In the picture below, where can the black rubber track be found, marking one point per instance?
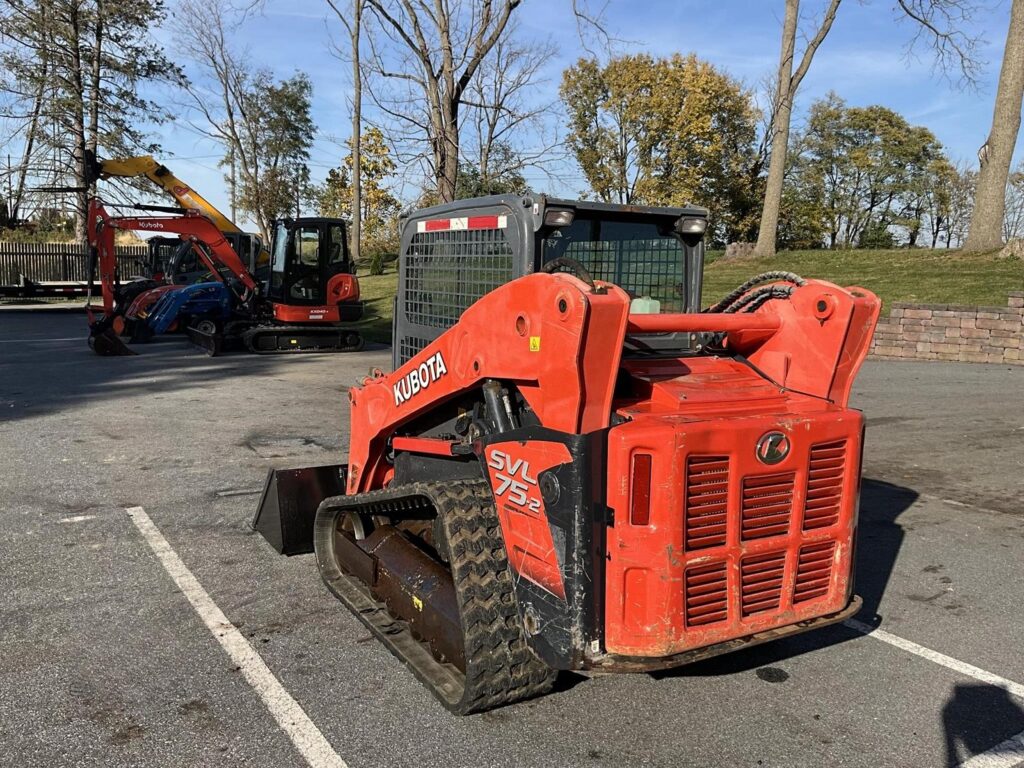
(500, 668)
(328, 339)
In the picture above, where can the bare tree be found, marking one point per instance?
(939, 25)
(787, 83)
(508, 129)
(263, 125)
(442, 46)
(354, 27)
(985, 233)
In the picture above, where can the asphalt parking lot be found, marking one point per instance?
(105, 661)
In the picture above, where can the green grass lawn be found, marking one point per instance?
(917, 276)
(378, 295)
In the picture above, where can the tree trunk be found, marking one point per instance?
(30, 138)
(95, 82)
(786, 88)
(77, 110)
(448, 174)
(357, 128)
(985, 233)
(768, 230)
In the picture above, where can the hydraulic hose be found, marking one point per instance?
(764, 277)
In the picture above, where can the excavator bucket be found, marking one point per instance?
(289, 503)
(105, 343)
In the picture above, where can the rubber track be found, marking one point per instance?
(500, 668)
(249, 338)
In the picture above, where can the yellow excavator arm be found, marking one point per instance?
(160, 175)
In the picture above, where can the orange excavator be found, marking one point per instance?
(310, 302)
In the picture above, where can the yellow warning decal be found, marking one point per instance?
(535, 343)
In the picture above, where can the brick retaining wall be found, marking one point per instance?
(950, 332)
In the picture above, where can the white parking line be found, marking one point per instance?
(36, 341)
(1007, 754)
(939, 658)
(306, 737)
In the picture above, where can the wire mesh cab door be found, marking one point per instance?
(451, 255)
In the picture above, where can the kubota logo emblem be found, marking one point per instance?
(418, 379)
(772, 448)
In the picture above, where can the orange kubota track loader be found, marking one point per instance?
(567, 479)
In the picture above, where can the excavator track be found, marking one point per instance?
(499, 666)
(278, 339)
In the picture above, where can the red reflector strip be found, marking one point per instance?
(640, 509)
(482, 222)
(462, 223)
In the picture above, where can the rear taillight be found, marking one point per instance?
(640, 509)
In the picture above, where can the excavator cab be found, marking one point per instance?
(160, 253)
(186, 268)
(307, 253)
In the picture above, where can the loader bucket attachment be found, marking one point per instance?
(289, 503)
(211, 343)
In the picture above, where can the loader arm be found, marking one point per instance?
(559, 342)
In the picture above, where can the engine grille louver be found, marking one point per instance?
(707, 496)
(814, 571)
(825, 473)
(761, 582)
(706, 595)
(759, 511)
(767, 505)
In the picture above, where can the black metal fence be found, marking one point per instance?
(59, 261)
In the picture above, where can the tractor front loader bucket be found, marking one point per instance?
(211, 343)
(289, 503)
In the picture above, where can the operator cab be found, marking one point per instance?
(186, 268)
(307, 253)
(650, 256)
(160, 253)
(453, 254)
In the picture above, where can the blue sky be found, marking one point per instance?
(864, 59)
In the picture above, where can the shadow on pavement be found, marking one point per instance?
(976, 717)
(43, 372)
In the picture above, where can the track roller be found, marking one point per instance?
(456, 625)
